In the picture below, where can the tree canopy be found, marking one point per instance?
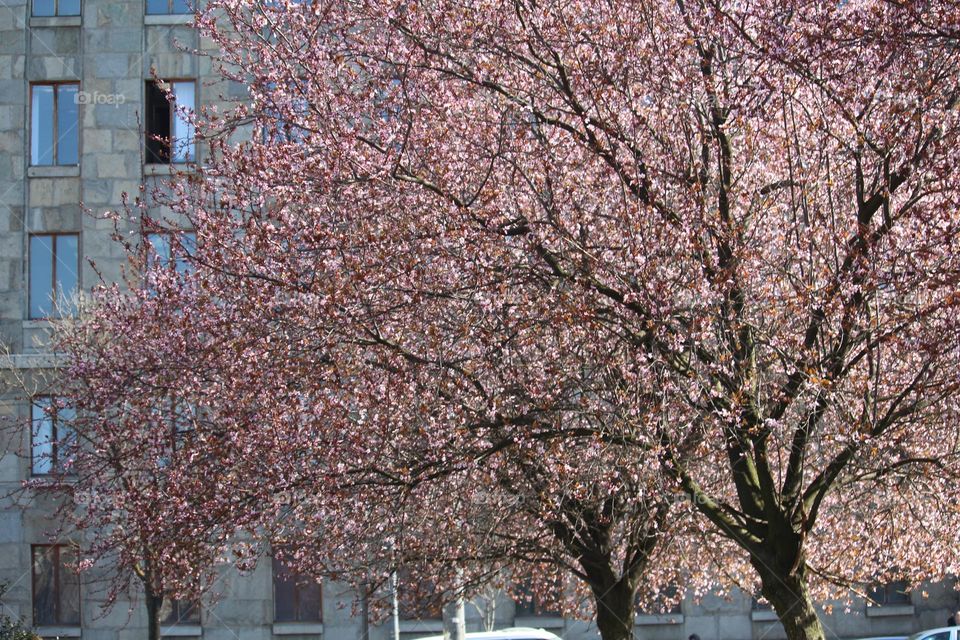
(640, 291)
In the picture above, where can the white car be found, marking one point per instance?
(942, 633)
(516, 633)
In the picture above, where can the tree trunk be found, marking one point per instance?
(615, 614)
(787, 592)
(154, 603)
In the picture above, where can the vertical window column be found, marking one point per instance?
(296, 598)
(54, 124)
(56, 585)
(52, 439)
(169, 133)
(54, 274)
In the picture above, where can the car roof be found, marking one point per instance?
(926, 632)
(513, 633)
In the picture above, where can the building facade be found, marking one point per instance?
(80, 122)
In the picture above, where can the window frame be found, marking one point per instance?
(412, 609)
(190, 11)
(902, 598)
(52, 412)
(277, 130)
(170, 237)
(528, 605)
(172, 118)
(176, 607)
(299, 585)
(56, 10)
(58, 566)
(55, 120)
(657, 607)
(55, 293)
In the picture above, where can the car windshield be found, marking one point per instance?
(926, 635)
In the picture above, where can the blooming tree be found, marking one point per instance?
(486, 284)
(114, 480)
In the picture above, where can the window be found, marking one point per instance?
(665, 602)
(528, 604)
(418, 600)
(168, 7)
(890, 594)
(52, 441)
(169, 132)
(54, 123)
(760, 604)
(54, 267)
(178, 611)
(279, 120)
(173, 246)
(296, 598)
(179, 419)
(56, 8)
(56, 585)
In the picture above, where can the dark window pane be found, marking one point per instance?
(892, 593)
(44, 7)
(418, 600)
(177, 611)
(158, 6)
(67, 124)
(296, 598)
(310, 601)
(69, 602)
(664, 603)
(189, 611)
(68, 259)
(41, 276)
(41, 126)
(69, 7)
(284, 593)
(157, 124)
(44, 586)
(181, 6)
(56, 586)
(528, 604)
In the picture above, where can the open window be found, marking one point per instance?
(169, 132)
